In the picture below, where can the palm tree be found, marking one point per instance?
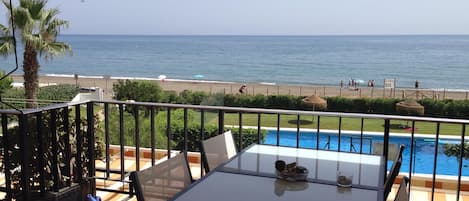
(38, 29)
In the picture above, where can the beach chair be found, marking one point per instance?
(217, 150)
(402, 192)
(163, 180)
(395, 169)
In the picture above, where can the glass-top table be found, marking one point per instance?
(250, 175)
(367, 170)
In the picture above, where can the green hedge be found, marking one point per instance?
(434, 108)
(362, 105)
(249, 136)
(446, 108)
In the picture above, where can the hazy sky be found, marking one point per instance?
(264, 17)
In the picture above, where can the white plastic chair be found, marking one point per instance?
(217, 150)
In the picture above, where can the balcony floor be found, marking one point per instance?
(417, 193)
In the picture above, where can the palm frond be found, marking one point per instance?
(7, 45)
(7, 4)
(37, 8)
(33, 40)
(50, 50)
(4, 30)
(23, 19)
(34, 7)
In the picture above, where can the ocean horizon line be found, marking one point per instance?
(261, 35)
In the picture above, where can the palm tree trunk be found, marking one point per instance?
(31, 83)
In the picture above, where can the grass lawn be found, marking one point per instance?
(290, 121)
(375, 125)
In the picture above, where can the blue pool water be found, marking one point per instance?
(424, 149)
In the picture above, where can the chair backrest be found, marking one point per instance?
(396, 166)
(217, 150)
(163, 180)
(378, 149)
(397, 156)
(402, 193)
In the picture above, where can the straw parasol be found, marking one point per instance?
(410, 107)
(316, 102)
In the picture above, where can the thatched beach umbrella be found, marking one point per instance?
(410, 107)
(316, 102)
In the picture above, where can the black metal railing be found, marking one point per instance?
(54, 147)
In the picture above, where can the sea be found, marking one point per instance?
(436, 61)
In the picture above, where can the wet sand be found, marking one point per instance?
(258, 88)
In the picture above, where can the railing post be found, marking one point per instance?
(152, 133)
(91, 142)
(298, 131)
(386, 144)
(258, 128)
(168, 131)
(121, 141)
(221, 121)
(6, 157)
(67, 148)
(107, 140)
(79, 141)
(202, 137)
(240, 139)
(317, 131)
(340, 134)
(25, 152)
(41, 160)
(185, 130)
(278, 129)
(461, 155)
(55, 149)
(137, 138)
(435, 159)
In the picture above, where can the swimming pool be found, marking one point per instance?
(424, 149)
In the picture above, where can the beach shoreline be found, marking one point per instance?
(227, 87)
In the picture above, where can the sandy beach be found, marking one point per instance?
(255, 88)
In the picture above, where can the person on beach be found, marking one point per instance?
(341, 84)
(372, 84)
(416, 84)
(242, 89)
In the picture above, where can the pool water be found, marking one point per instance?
(424, 149)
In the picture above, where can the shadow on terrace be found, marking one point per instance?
(66, 151)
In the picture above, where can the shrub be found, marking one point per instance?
(142, 91)
(453, 150)
(61, 92)
(169, 97)
(194, 136)
(129, 129)
(193, 98)
(6, 82)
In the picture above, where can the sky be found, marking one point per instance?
(263, 17)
